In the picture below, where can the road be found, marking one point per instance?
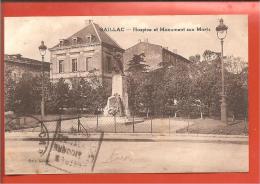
(156, 154)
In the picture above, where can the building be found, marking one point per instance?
(17, 66)
(89, 49)
(154, 55)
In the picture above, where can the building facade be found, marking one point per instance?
(88, 50)
(17, 66)
(154, 55)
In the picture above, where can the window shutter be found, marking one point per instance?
(54, 65)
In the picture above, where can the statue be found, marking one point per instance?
(114, 106)
(117, 104)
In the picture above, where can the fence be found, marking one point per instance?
(109, 124)
(97, 123)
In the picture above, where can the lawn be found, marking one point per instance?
(210, 126)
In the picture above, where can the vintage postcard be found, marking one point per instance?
(126, 94)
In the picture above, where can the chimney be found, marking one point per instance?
(87, 22)
(146, 40)
(18, 56)
(139, 40)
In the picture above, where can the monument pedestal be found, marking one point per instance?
(119, 97)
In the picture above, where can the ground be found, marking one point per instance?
(166, 145)
(139, 153)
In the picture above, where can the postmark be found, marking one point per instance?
(74, 153)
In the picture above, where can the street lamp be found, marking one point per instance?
(42, 49)
(222, 33)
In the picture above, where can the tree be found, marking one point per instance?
(136, 64)
(236, 91)
(59, 97)
(79, 94)
(153, 92)
(207, 83)
(235, 64)
(88, 94)
(178, 85)
(136, 76)
(101, 91)
(195, 59)
(9, 87)
(85, 96)
(208, 55)
(27, 95)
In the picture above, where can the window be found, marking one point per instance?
(109, 64)
(74, 65)
(87, 61)
(61, 43)
(88, 38)
(74, 41)
(61, 66)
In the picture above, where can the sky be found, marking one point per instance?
(23, 35)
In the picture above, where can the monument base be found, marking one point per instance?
(117, 104)
(114, 106)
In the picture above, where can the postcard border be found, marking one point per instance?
(151, 8)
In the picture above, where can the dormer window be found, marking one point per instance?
(62, 42)
(90, 38)
(74, 40)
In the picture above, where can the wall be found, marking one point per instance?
(98, 54)
(169, 57)
(81, 53)
(17, 70)
(153, 54)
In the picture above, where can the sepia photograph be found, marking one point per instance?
(126, 94)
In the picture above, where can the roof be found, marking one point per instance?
(177, 55)
(91, 29)
(17, 58)
(105, 38)
(163, 48)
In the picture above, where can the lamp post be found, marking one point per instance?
(221, 34)
(42, 49)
